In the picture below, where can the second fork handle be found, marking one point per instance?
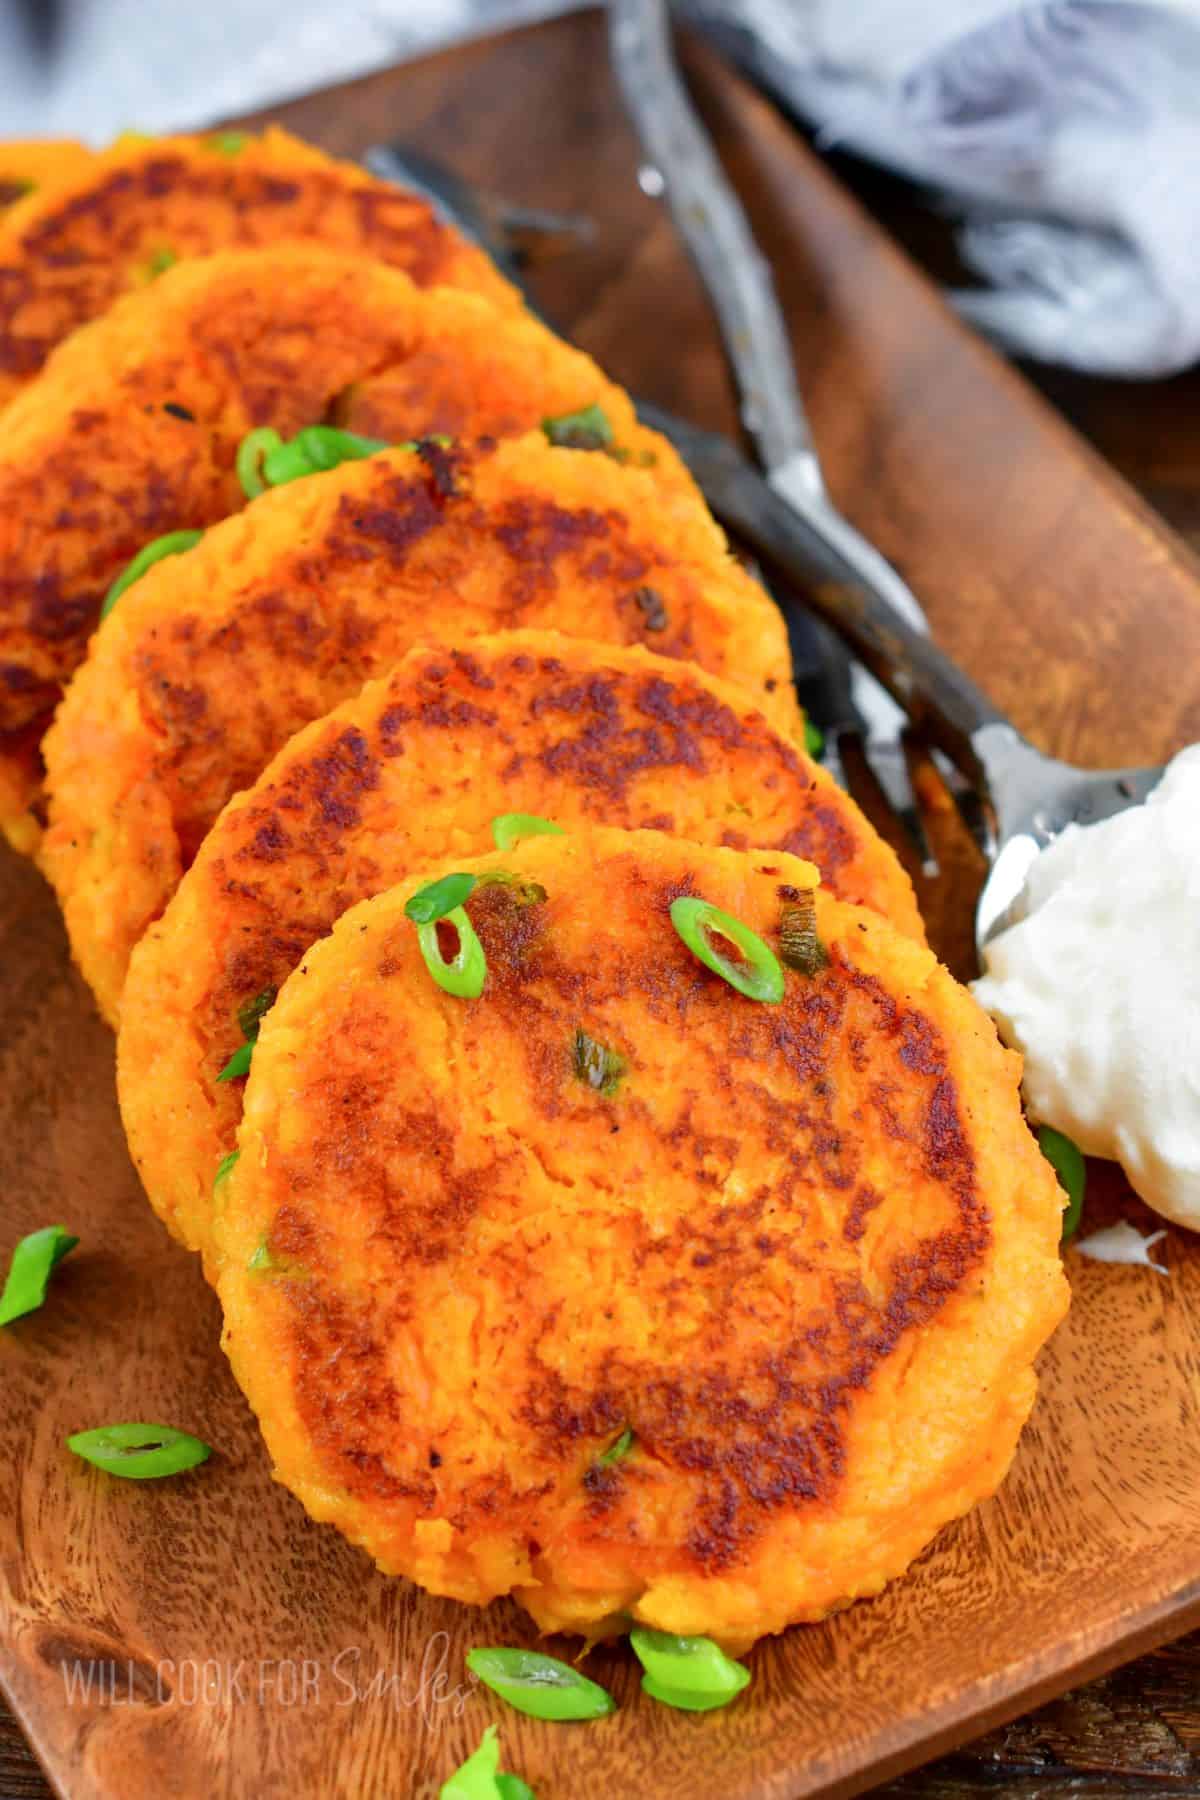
(938, 697)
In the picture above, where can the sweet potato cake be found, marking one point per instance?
(206, 666)
(619, 1289)
(28, 165)
(111, 222)
(131, 431)
(418, 764)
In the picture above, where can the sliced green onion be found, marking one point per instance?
(691, 1673)
(139, 1452)
(261, 1258)
(541, 1686)
(479, 1777)
(596, 1065)
(1066, 1159)
(159, 261)
(509, 828)
(315, 448)
(238, 1064)
(466, 972)
(227, 143)
(439, 898)
(34, 1260)
(250, 1014)
(799, 945)
(587, 429)
(251, 454)
(225, 1168)
(617, 1451)
(814, 740)
(172, 543)
(759, 977)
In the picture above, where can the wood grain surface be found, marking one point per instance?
(235, 1648)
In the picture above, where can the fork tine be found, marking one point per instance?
(886, 759)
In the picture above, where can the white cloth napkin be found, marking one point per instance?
(1066, 134)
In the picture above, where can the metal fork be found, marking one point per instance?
(710, 219)
(1026, 798)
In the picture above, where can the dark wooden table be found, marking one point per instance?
(1136, 1731)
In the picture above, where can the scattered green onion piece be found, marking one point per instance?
(617, 1451)
(814, 740)
(541, 1686)
(250, 1015)
(323, 447)
(261, 1258)
(34, 1260)
(511, 1787)
(227, 143)
(691, 1673)
(596, 1065)
(479, 1777)
(253, 450)
(799, 945)
(1066, 1159)
(587, 429)
(225, 1168)
(172, 543)
(439, 898)
(509, 828)
(759, 977)
(159, 261)
(139, 1452)
(238, 1064)
(466, 972)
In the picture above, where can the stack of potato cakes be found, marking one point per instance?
(611, 1199)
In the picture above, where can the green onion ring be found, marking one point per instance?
(466, 972)
(438, 898)
(587, 429)
(34, 1260)
(759, 978)
(238, 1064)
(691, 1673)
(540, 1686)
(508, 828)
(139, 1452)
(251, 454)
(172, 543)
(1066, 1159)
(480, 1777)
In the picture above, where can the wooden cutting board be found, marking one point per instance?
(201, 1638)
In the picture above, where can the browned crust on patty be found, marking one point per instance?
(423, 761)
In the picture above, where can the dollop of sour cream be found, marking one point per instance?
(1098, 985)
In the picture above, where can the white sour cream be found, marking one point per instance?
(1098, 984)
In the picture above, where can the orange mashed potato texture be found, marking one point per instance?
(28, 166)
(209, 663)
(419, 764)
(95, 226)
(132, 429)
(805, 1253)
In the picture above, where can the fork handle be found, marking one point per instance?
(809, 543)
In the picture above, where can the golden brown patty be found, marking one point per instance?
(208, 664)
(97, 226)
(420, 764)
(132, 429)
(805, 1253)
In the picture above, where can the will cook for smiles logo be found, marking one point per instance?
(345, 1679)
